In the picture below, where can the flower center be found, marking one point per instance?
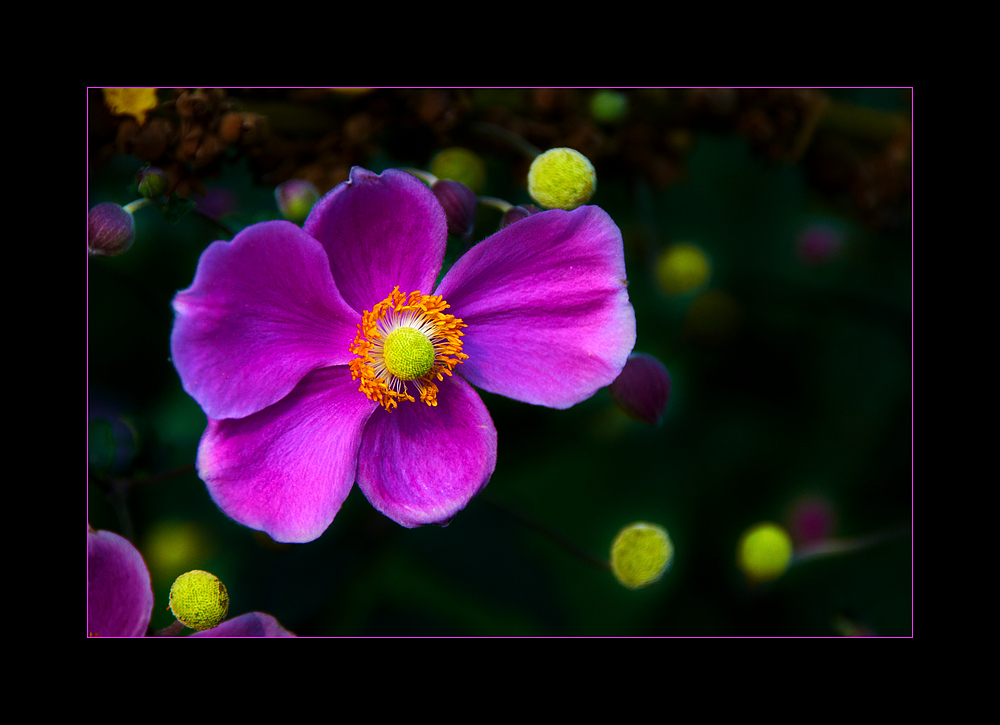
(408, 354)
(406, 339)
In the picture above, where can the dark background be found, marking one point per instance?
(789, 379)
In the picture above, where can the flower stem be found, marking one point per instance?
(549, 534)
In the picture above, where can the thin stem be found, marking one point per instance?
(549, 534)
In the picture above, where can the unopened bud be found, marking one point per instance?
(110, 230)
(561, 179)
(517, 213)
(642, 390)
(641, 554)
(764, 552)
(460, 164)
(681, 268)
(199, 600)
(608, 106)
(296, 199)
(459, 204)
(152, 182)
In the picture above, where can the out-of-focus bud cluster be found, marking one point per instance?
(295, 199)
(641, 554)
(199, 600)
(818, 244)
(186, 135)
(110, 230)
(642, 390)
(608, 106)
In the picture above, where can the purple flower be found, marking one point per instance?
(120, 595)
(320, 361)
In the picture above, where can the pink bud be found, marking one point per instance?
(642, 390)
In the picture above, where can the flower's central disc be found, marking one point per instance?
(408, 354)
(406, 339)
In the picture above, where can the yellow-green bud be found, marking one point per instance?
(561, 179)
(683, 267)
(199, 600)
(608, 106)
(296, 199)
(764, 552)
(408, 354)
(641, 554)
(460, 164)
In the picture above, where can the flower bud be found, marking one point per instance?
(110, 230)
(642, 390)
(460, 164)
(296, 199)
(517, 213)
(459, 204)
(764, 552)
(681, 268)
(641, 554)
(199, 600)
(818, 244)
(152, 182)
(608, 106)
(561, 179)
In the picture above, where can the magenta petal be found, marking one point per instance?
(119, 592)
(261, 313)
(422, 465)
(254, 624)
(380, 231)
(287, 469)
(545, 301)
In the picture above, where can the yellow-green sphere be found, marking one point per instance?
(764, 552)
(408, 354)
(681, 268)
(462, 165)
(199, 600)
(641, 554)
(561, 179)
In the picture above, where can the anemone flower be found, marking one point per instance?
(120, 595)
(320, 359)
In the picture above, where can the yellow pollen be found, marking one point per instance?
(406, 339)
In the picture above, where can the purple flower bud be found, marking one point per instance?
(152, 182)
(459, 204)
(110, 230)
(517, 213)
(818, 244)
(296, 199)
(643, 389)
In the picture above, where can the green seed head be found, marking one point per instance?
(641, 554)
(199, 600)
(682, 268)
(408, 354)
(561, 179)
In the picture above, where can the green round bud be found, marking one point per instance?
(199, 600)
(152, 182)
(561, 179)
(764, 552)
(296, 199)
(462, 165)
(608, 106)
(641, 554)
(681, 268)
(407, 353)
